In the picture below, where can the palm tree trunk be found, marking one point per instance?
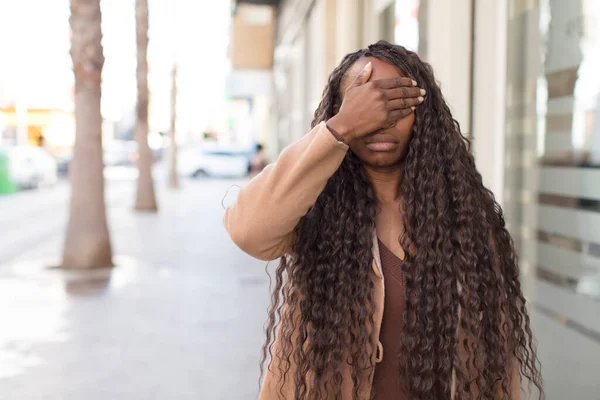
(87, 243)
(173, 176)
(145, 198)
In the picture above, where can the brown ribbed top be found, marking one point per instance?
(388, 384)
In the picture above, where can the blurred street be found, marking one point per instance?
(133, 92)
(180, 317)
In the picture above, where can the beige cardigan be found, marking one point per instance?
(262, 221)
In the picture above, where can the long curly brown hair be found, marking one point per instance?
(461, 269)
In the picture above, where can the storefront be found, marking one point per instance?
(521, 77)
(50, 128)
(552, 181)
(531, 103)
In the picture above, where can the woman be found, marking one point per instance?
(398, 278)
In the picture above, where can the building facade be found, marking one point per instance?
(551, 162)
(521, 79)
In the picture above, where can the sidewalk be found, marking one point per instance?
(181, 316)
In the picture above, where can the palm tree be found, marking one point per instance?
(173, 177)
(145, 198)
(87, 243)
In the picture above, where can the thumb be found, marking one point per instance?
(363, 76)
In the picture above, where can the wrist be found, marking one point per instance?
(338, 129)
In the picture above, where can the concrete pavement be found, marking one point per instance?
(179, 318)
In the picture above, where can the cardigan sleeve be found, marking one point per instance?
(262, 219)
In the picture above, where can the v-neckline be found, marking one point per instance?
(392, 265)
(386, 249)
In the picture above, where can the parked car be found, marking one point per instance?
(32, 167)
(114, 153)
(226, 162)
(120, 152)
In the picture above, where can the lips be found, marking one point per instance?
(381, 138)
(381, 142)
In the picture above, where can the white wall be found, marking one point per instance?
(348, 31)
(489, 92)
(449, 52)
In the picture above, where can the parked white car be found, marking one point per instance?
(31, 167)
(120, 152)
(225, 162)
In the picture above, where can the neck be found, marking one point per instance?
(386, 182)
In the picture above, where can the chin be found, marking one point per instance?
(381, 159)
(384, 160)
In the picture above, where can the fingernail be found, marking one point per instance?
(423, 92)
(420, 99)
(414, 108)
(414, 83)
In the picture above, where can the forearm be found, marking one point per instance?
(262, 220)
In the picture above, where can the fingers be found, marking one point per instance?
(363, 76)
(399, 114)
(395, 82)
(402, 92)
(405, 102)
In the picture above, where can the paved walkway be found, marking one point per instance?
(179, 318)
